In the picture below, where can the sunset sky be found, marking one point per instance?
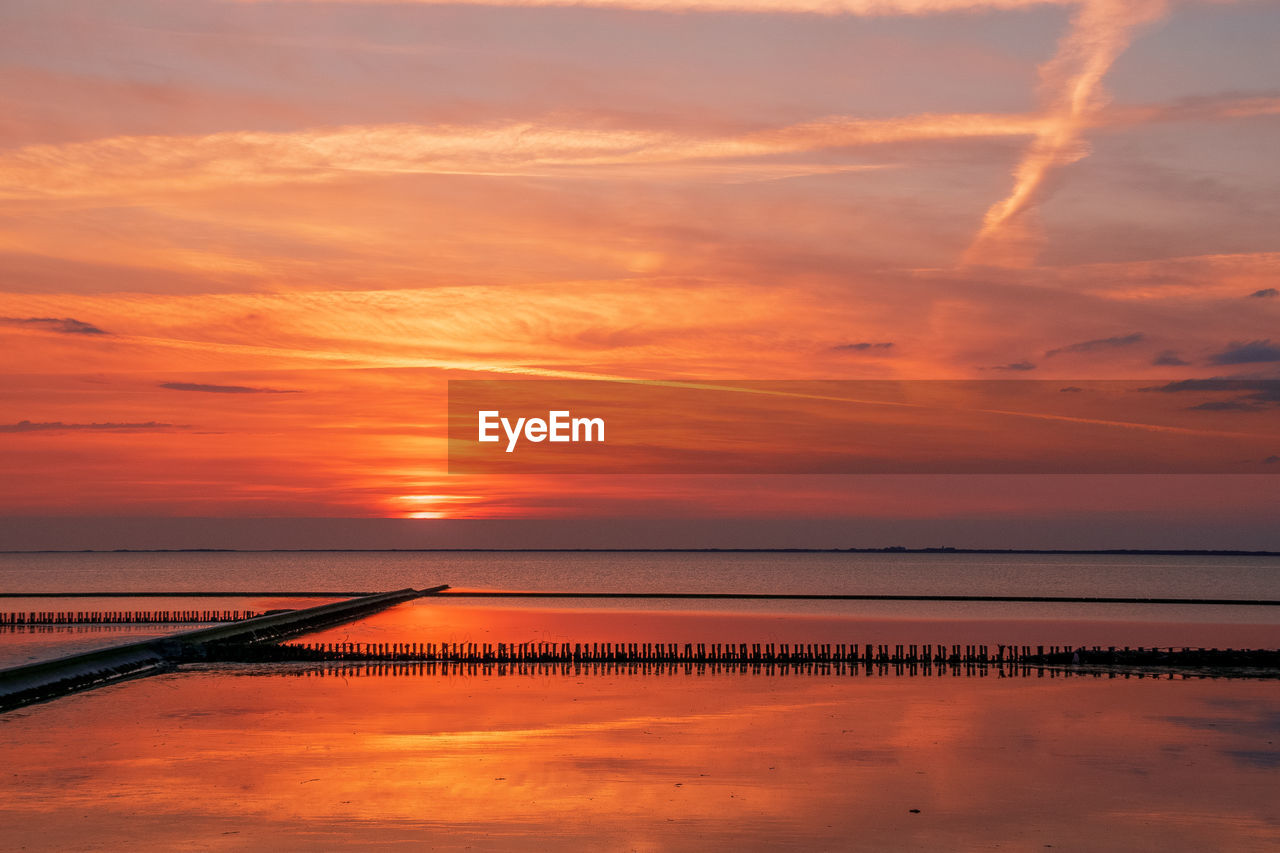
(244, 245)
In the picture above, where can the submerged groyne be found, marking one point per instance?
(748, 653)
(376, 669)
(122, 617)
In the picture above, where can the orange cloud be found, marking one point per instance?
(174, 165)
(147, 166)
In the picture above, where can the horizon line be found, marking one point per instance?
(891, 549)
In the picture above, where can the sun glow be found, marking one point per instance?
(433, 506)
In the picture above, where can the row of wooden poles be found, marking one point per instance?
(349, 669)
(668, 652)
(118, 617)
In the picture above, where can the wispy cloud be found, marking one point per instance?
(1251, 395)
(62, 326)
(59, 426)
(176, 164)
(1251, 352)
(1227, 406)
(222, 389)
(532, 329)
(1197, 108)
(172, 164)
(1098, 344)
(1017, 366)
(863, 346)
(820, 7)
(1169, 358)
(1265, 293)
(1071, 94)
(1269, 387)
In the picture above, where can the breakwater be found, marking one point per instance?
(35, 682)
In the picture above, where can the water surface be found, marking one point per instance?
(293, 759)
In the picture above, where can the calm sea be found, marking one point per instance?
(938, 574)
(912, 574)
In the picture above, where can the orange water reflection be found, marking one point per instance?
(424, 621)
(247, 757)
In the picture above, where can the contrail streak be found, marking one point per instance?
(1071, 93)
